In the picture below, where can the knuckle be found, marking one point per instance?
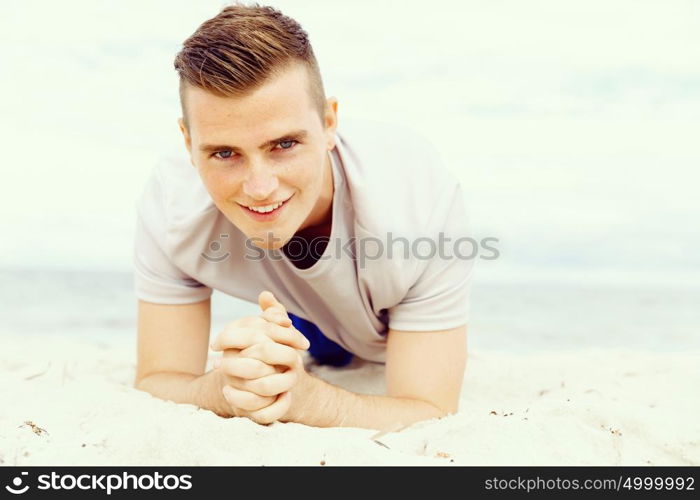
(264, 419)
(235, 324)
(229, 337)
(261, 369)
(252, 402)
(247, 400)
(265, 387)
(238, 412)
(253, 350)
(252, 385)
(247, 320)
(237, 367)
(232, 384)
(293, 358)
(272, 413)
(251, 321)
(257, 337)
(237, 399)
(236, 408)
(230, 352)
(268, 349)
(287, 358)
(257, 352)
(286, 404)
(236, 382)
(225, 366)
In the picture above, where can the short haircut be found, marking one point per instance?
(234, 52)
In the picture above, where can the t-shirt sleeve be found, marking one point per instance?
(439, 297)
(156, 278)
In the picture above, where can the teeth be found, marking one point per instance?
(265, 209)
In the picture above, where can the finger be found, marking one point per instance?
(272, 353)
(267, 299)
(273, 412)
(244, 400)
(246, 367)
(270, 385)
(273, 315)
(289, 336)
(240, 337)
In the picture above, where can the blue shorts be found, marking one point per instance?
(323, 349)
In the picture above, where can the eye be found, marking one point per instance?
(223, 155)
(287, 144)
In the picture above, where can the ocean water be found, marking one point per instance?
(517, 316)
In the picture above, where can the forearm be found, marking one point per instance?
(203, 391)
(326, 405)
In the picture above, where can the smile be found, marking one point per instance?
(265, 212)
(266, 208)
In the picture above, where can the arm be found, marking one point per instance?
(424, 373)
(172, 352)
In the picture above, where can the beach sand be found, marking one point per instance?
(70, 401)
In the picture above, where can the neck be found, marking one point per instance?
(319, 221)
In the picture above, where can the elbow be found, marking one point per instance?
(140, 377)
(138, 383)
(141, 380)
(444, 410)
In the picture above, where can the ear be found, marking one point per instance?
(185, 134)
(186, 137)
(330, 121)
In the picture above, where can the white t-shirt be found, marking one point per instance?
(389, 185)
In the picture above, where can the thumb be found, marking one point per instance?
(266, 299)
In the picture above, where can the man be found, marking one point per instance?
(332, 230)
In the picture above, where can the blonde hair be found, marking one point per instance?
(234, 52)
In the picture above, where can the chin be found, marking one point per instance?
(266, 241)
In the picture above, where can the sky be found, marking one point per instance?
(572, 125)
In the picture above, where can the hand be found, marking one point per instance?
(260, 363)
(275, 312)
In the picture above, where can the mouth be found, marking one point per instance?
(265, 213)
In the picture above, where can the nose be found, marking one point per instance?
(260, 182)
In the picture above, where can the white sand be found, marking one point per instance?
(590, 407)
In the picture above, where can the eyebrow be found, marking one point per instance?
(296, 135)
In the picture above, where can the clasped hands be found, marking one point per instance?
(261, 368)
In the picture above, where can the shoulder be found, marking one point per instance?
(394, 146)
(397, 178)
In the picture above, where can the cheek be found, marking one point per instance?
(220, 184)
(304, 174)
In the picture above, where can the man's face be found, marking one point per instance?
(263, 149)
